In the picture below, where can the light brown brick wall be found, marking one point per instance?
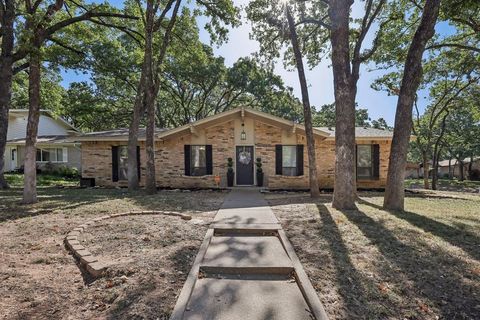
(97, 162)
(170, 163)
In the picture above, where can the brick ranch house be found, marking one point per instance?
(195, 155)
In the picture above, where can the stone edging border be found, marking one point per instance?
(95, 267)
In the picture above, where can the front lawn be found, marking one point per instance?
(423, 263)
(152, 253)
(43, 180)
(447, 185)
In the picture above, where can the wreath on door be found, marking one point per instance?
(244, 157)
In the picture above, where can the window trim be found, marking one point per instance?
(299, 160)
(374, 174)
(64, 151)
(192, 160)
(296, 161)
(118, 162)
(115, 163)
(188, 169)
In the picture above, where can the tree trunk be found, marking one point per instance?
(345, 182)
(450, 174)
(6, 74)
(435, 171)
(307, 111)
(412, 75)
(461, 167)
(30, 168)
(437, 151)
(151, 93)
(426, 169)
(150, 183)
(470, 167)
(138, 110)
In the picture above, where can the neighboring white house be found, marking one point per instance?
(452, 167)
(53, 147)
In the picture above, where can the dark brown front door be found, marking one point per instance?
(244, 165)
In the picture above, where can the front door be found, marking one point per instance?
(244, 165)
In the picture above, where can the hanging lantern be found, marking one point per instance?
(243, 135)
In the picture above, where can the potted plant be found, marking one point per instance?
(259, 172)
(230, 173)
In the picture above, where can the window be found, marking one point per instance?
(122, 163)
(198, 160)
(51, 155)
(368, 161)
(289, 160)
(364, 161)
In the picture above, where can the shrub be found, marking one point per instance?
(69, 173)
(230, 165)
(259, 165)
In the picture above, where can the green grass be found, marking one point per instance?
(43, 180)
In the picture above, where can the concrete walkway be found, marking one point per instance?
(247, 269)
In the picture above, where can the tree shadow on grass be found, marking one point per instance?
(50, 199)
(468, 241)
(353, 287)
(433, 273)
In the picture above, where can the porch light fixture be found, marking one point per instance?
(243, 135)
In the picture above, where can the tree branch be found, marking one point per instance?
(453, 45)
(65, 46)
(21, 68)
(320, 23)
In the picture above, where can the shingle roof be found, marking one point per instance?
(444, 163)
(119, 133)
(45, 139)
(362, 132)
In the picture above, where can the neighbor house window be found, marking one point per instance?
(120, 163)
(367, 161)
(289, 160)
(198, 160)
(51, 154)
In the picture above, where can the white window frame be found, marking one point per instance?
(201, 169)
(62, 150)
(294, 169)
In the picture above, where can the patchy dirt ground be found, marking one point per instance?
(152, 253)
(372, 264)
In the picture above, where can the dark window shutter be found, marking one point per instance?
(300, 160)
(114, 163)
(139, 173)
(187, 159)
(278, 159)
(376, 161)
(209, 158)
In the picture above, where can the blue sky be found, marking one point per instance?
(320, 79)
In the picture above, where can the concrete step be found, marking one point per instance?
(246, 252)
(246, 298)
(238, 217)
